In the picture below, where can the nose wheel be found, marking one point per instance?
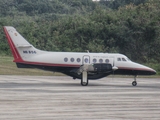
(134, 83)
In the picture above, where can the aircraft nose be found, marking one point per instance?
(152, 72)
(144, 70)
(148, 71)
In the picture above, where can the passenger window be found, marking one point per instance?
(86, 60)
(72, 59)
(94, 60)
(78, 60)
(118, 59)
(107, 60)
(65, 59)
(100, 60)
(123, 59)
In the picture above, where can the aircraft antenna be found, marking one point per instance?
(87, 51)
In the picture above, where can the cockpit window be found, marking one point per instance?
(126, 59)
(123, 59)
(118, 59)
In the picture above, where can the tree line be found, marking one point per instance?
(130, 27)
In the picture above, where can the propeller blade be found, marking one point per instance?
(114, 68)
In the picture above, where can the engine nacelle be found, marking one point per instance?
(96, 67)
(102, 67)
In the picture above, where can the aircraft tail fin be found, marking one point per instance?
(19, 46)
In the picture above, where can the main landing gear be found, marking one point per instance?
(134, 83)
(84, 80)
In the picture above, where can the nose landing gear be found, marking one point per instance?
(134, 83)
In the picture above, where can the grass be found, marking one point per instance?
(8, 67)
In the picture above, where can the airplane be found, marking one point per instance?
(79, 65)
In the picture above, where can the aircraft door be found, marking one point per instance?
(111, 61)
(86, 59)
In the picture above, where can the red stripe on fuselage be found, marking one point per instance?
(50, 64)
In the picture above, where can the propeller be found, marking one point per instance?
(114, 68)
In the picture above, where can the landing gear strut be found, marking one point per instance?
(84, 80)
(134, 83)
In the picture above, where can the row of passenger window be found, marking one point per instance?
(86, 60)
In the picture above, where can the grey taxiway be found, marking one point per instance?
(61, 97)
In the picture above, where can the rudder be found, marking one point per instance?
(18, 45)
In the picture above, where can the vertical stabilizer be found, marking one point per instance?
(19, 46)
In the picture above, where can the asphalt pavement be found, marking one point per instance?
(62, 98)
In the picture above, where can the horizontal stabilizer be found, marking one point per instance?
(23, 46)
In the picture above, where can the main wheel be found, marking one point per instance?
(134, 83)
(84, 83)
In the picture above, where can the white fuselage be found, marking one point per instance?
(78, 59)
